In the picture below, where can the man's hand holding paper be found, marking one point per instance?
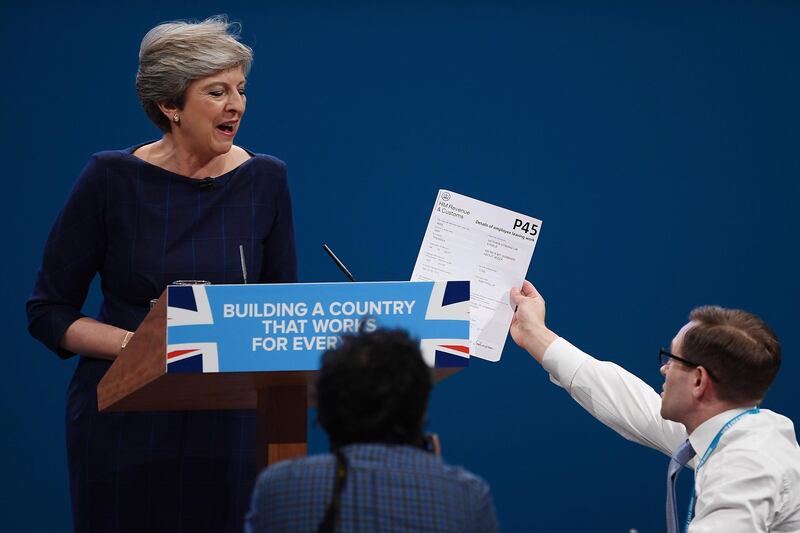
(488, 245)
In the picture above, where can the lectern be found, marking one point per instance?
(203, 347)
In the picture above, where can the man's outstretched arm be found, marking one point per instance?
(607, 391)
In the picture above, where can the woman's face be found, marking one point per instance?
(213, 107)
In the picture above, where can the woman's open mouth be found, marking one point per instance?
(227, 129)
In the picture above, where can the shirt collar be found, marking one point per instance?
(702, 436)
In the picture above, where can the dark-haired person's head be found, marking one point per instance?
(722, 358)
(738, 347)
(373, 387)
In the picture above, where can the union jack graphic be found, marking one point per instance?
(187, 306)
(200, 357)
(449, 301)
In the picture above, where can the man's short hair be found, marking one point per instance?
(739, 349)
(373, 387)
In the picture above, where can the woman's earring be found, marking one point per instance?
(176, 118)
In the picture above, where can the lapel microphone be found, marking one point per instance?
(207, 183)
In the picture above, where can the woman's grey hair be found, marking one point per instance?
(175, 54)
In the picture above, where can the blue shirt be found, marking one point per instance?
(388, 488)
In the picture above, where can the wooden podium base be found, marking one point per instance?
(282, 419)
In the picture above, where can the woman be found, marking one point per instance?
(176, 208)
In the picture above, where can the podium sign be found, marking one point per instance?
(269, 328)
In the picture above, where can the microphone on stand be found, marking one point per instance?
(338, 263)
(244, 265)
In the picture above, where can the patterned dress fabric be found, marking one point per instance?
(141, 227)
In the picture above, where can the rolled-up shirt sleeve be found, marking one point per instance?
(72, 256)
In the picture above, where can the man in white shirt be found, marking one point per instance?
(716, 372)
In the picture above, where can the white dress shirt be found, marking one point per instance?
(750, 482)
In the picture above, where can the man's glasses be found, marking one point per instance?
(664, 358)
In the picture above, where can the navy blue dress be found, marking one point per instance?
(141, 227)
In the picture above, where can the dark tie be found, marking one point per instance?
(679, 459)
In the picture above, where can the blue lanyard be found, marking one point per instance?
(711, 447)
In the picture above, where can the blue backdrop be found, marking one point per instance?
(657, 142)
